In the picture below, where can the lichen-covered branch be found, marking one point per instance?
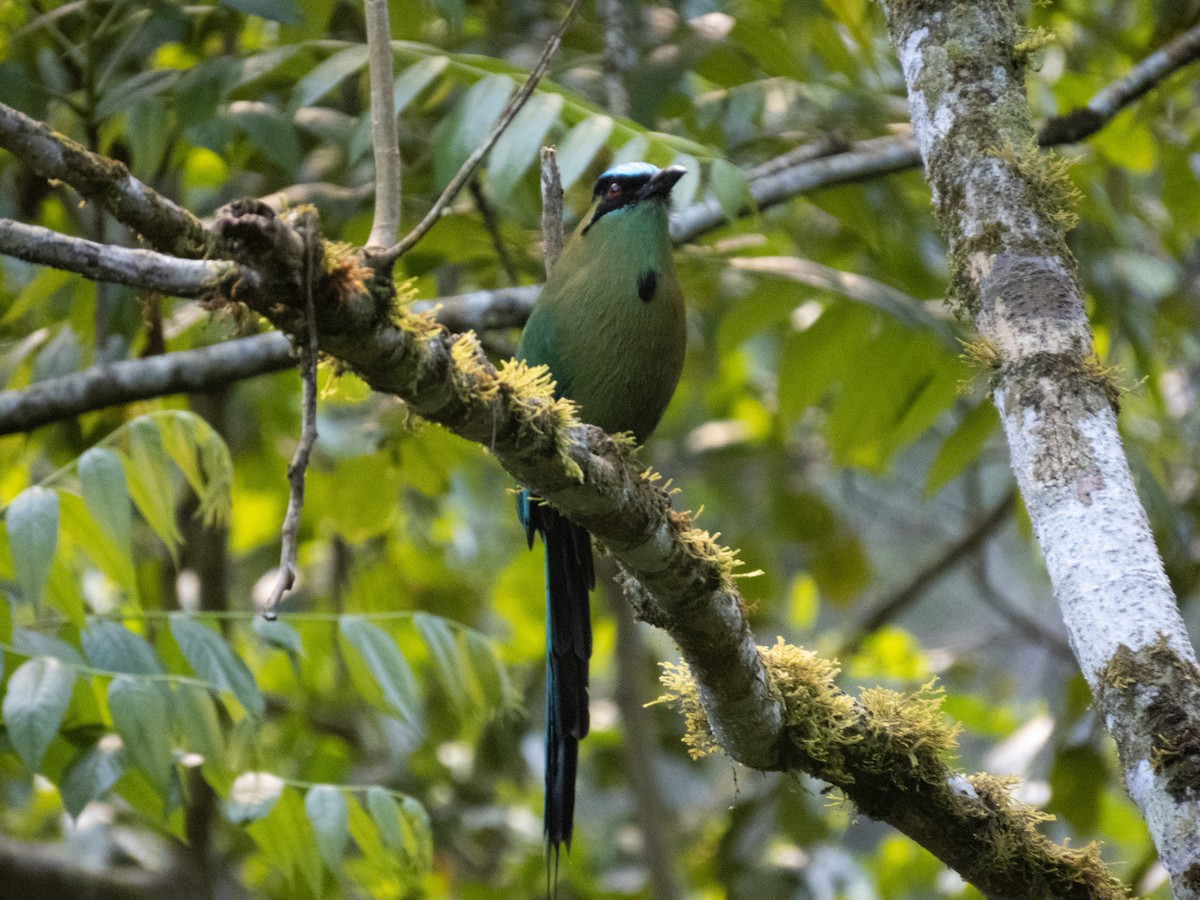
(676, 577)
(1006, 208)
(164, 224)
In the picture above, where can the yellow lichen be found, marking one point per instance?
(680, 689)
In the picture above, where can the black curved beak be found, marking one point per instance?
(659, 186)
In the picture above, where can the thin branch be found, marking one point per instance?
(119, 265)
(167, 226)
(488, 213)
(931, 573)
(552, 209)
(384, 138)
(467, 169)
(298, 467)
(141, 379)
(1114, 97)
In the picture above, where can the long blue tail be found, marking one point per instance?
(569, 576)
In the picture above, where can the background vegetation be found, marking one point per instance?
(383, 738)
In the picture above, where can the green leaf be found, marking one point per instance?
(465, 128)
(386, 816)
(215, 662)
(325, 806)
(91, 775)
(143, 720)
(148, 473)
(962, 446)
(34, 643)
(111, 646)
(102, 479)
(278, 634)
(519, 146)
(287, 840)
(197, 723)
(32, 524)
(148, 129)
(252, 796)
(386, 665)
(730, 186)
(580, 147)
(328, 74)
(38, 694)
(203, 457)
(416, 78)
(129, 91)
(112, 559)
(1078, 777)
(419, 832)
(452, 669)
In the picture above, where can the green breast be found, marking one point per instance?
(610, 322)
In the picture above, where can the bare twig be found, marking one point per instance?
(552, 209)
(383, 126)
(902, 599)
(620, 55)
(467, 169)
(140, 379)
(308, 344)
(488, 213)
(1115, 96)
(120, 265)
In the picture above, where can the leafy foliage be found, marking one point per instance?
(380, 740)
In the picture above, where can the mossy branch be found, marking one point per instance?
(771, 708)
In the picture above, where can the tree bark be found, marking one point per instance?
(1006, 208)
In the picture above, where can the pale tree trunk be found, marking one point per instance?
(1005, 208)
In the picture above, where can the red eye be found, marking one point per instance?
(614, 190)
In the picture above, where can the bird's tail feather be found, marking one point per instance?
(569, 576)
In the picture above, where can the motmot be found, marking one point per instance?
(610, 326)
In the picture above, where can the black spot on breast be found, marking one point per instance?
(647, 282)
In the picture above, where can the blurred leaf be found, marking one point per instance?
(91, 776)
(325, 806)
(327, 74)
(460, 133)
(35, 702)
(386, 815)
(288, 841)
(518, 147)
(102, 479)
(385, 665)
(32, 524)
(962, 446)
(113, 560)
(142, 719)
(148, 474)
(730, 186)
(580, 147)
(453, 670)
(196, 721)
(214, 661)
(133, 90)
(113, 647)
(1078, 776)
(416, 78)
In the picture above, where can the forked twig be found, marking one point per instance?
(307, 343)
(467, 169)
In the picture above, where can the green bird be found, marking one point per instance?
(610, 325)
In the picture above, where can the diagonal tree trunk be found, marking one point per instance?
(1006, 208)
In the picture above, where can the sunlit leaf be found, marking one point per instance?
(385, 664)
